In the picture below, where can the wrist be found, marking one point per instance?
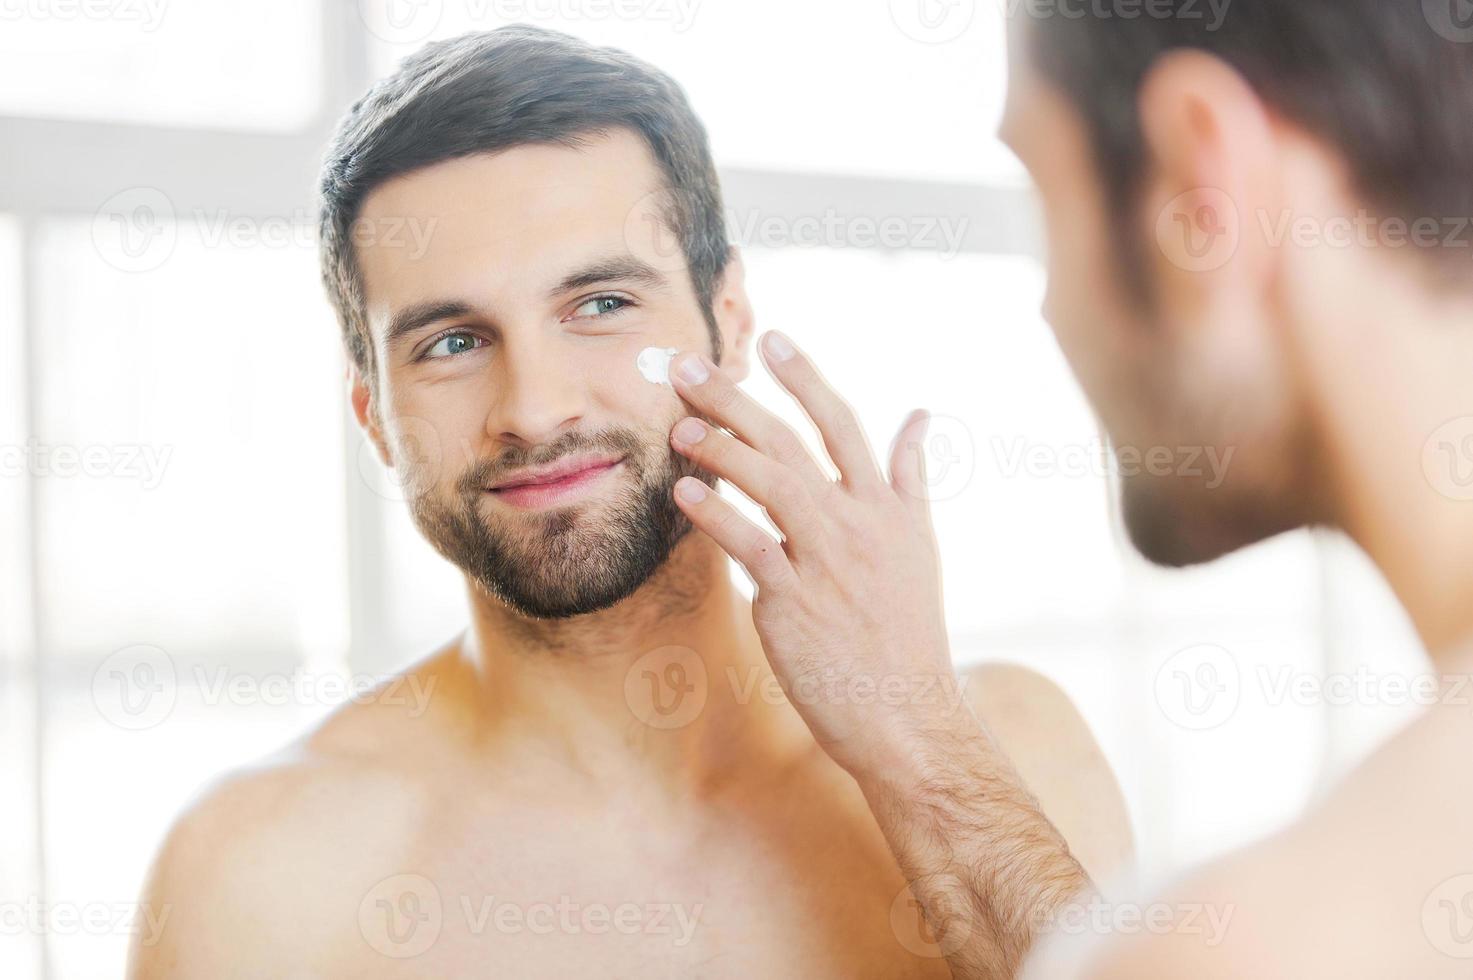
(914, 752)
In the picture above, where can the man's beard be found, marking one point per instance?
(567, 561)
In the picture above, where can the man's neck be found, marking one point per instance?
(572, 689)
(1392, 380)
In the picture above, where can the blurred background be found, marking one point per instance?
(202, 555)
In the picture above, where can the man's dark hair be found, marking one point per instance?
(1385, 82)
(494, 90)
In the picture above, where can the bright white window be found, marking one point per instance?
(251, 66)
(823, 86)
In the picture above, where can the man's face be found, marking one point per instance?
(1192, 386)
(507, 328)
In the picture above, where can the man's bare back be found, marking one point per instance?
(1375, 881)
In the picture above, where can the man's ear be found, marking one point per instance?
(365, 409)
(1212, 164)
(734, 317)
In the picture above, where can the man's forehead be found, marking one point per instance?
(529, 212)
(607, 168)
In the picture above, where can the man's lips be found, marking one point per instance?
(558, 485)
(566, 471)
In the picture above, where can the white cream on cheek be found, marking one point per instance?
(654, 364)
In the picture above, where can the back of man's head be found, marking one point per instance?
(1388, 84)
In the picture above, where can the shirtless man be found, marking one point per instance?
(607, 781)
(1260, 243)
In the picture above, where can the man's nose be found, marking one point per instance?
(542, 393)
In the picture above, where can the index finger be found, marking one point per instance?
(713, 392)
(835, 419)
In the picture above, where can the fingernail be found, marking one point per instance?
(779, 348)
(690, 432)
(691, 490)
(692, 371)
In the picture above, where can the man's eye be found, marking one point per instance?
(601, 306)
(452, 344)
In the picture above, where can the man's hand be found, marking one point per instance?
(848, 606)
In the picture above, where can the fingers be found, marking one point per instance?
(908, 463)
(776, 488)
(835, 420)
(751, 547)
(715, 395)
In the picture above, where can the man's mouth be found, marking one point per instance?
(561, 483)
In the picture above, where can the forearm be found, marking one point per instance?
(987, 868)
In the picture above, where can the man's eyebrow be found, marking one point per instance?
(623, 268)
(421, 315)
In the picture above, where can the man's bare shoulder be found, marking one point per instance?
(267, 864)
(1042, 732)
(1376, 881)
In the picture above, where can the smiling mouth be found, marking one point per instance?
(562, 489)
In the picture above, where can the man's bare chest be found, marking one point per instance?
(545, 891)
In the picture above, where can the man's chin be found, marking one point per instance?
(1173, 526)
(579, 585)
